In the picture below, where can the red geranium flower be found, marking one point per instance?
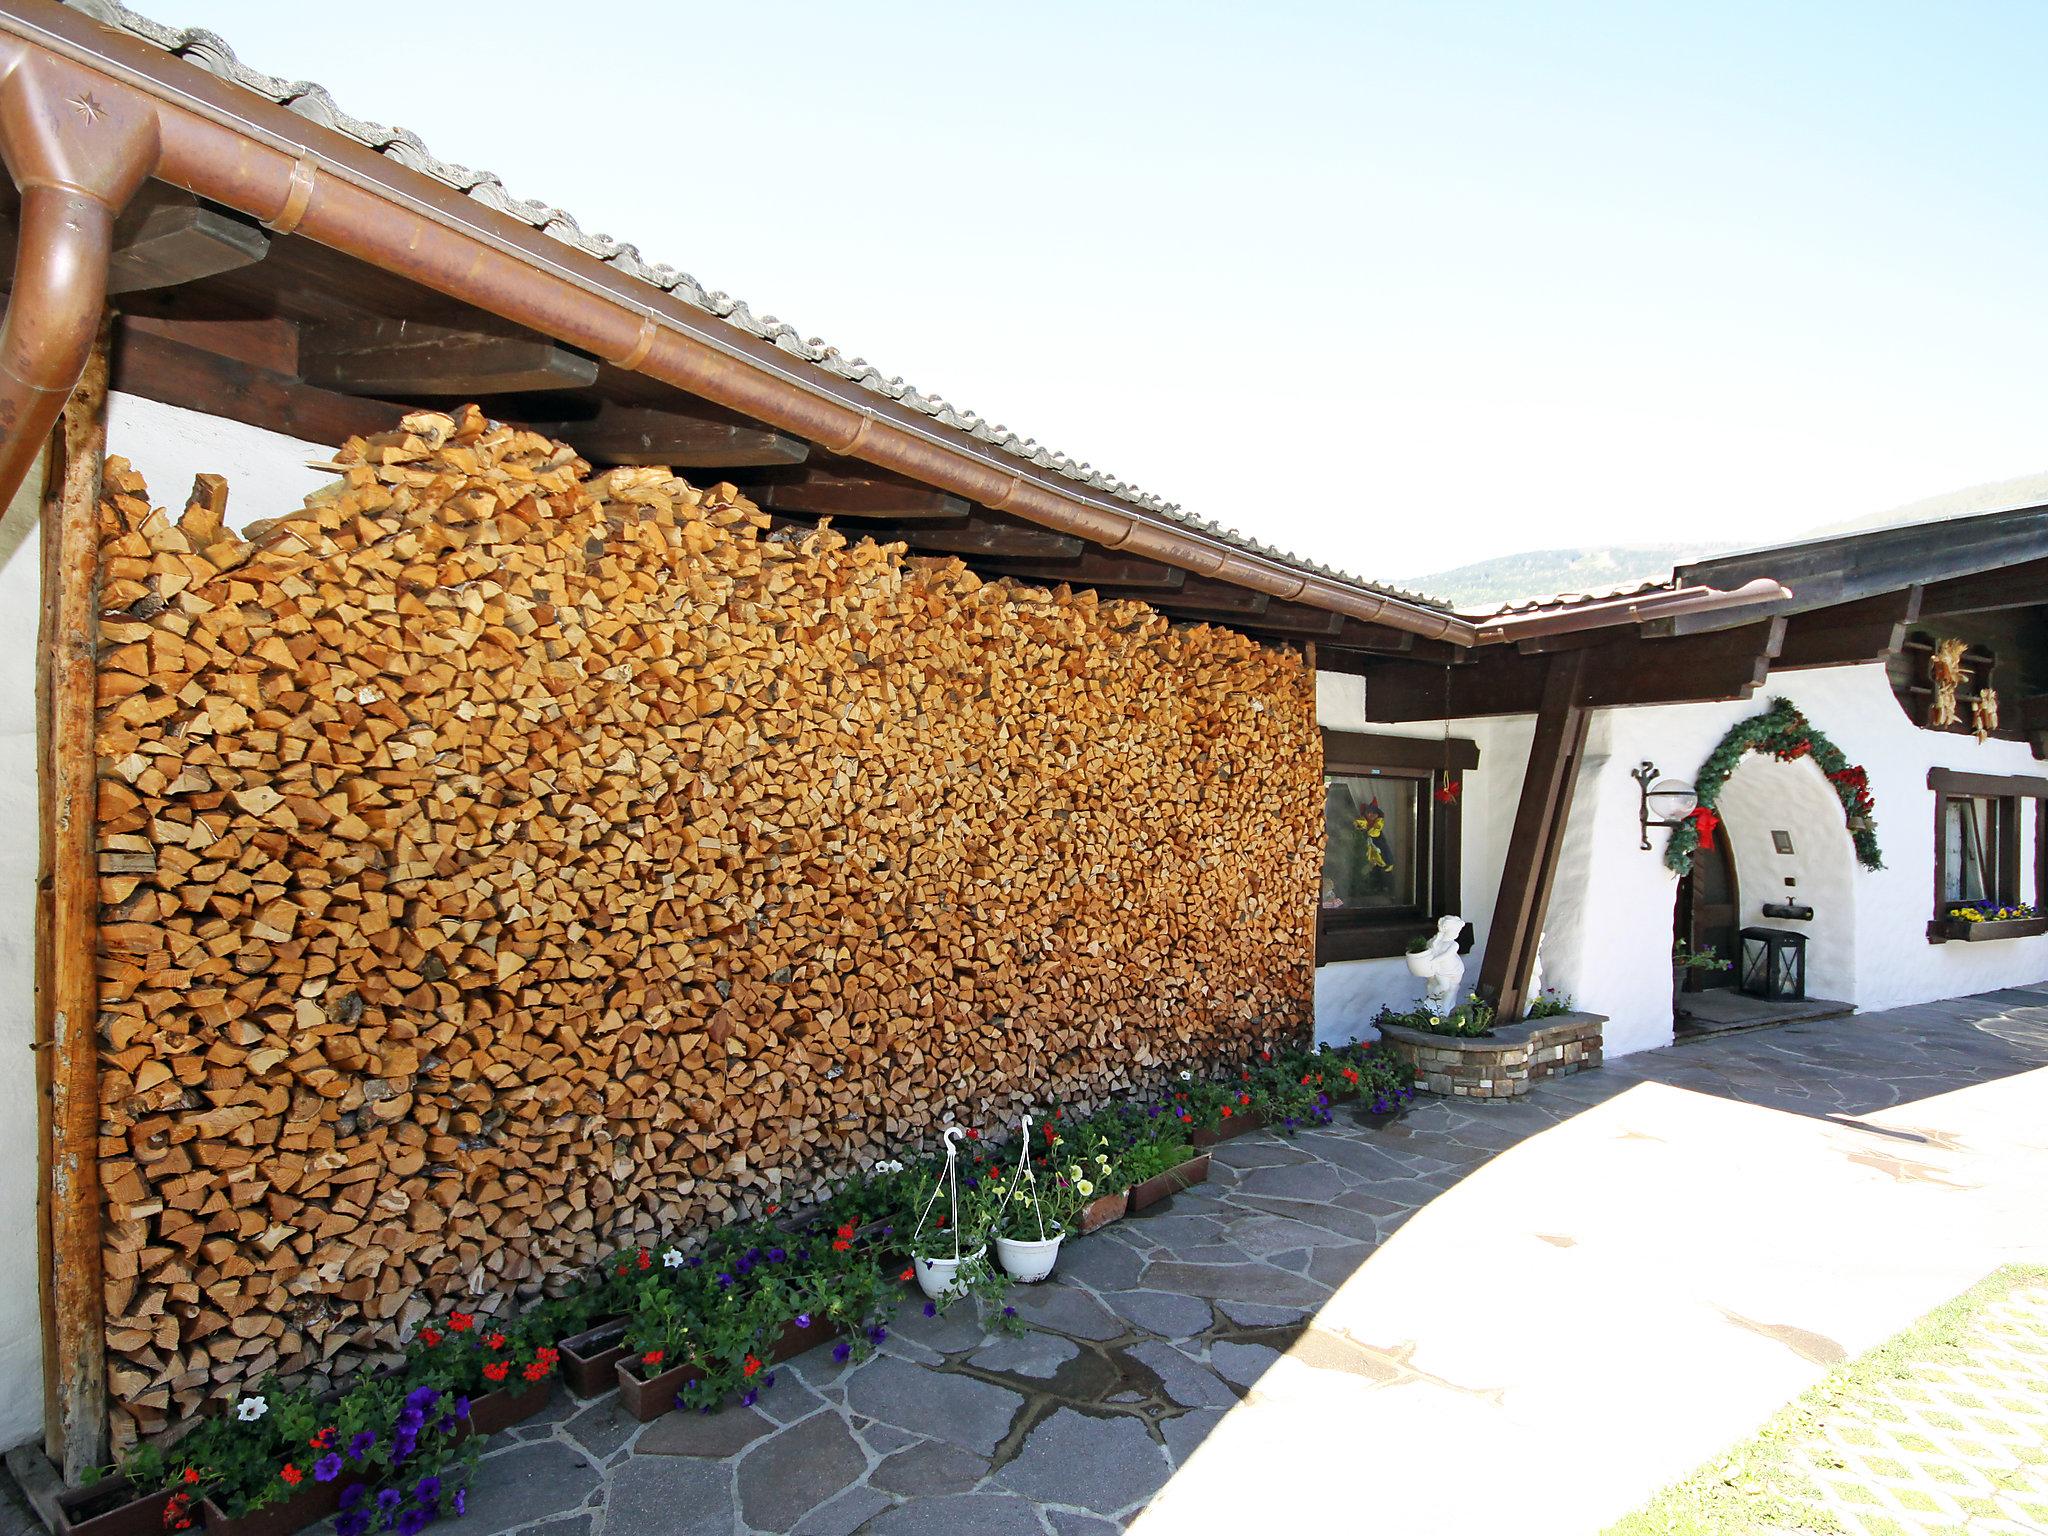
(497, 1370)
(460, 1321)
(1304, 1079)
(1244, 1098)
(974, 1135)
(536, 1372)
(430, 1336)
(191, 1474)
(908, 1274)
(646, 1258)
(291, 1474)
(840, 1245)
(773, 1209)
(652, 1357)
(494, 1341)
(1226, 1111)
(752, 1366)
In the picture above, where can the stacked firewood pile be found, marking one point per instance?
(501, 862)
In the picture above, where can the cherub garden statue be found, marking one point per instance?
(1445, 966)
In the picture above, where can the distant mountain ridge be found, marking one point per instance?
(1487, 584)
(1549, 572)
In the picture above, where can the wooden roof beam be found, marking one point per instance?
(624, 434)
(2011, 586)
(1869, 629)
(859, 496)
(409, 359)
(1094, 570)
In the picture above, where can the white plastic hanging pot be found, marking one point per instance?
(940, 1278)
(1028, 1259)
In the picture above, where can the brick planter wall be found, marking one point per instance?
(1503, 1064)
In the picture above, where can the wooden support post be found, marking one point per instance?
(67, 980)
(1531, 865)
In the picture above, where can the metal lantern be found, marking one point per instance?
(1666, 802)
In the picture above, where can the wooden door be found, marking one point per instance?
(1710, 914)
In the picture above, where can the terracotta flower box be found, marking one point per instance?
(508, 1405)
(313, 1501)
(113, 1506)
(1163, 1186)
(588, 1357)
(648, 1398)
(1240, 1123)
(1102, 1210)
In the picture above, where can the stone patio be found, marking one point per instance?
(1240, 1329)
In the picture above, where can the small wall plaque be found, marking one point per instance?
(1782, 841)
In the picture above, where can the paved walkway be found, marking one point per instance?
(1572, 1301)
(1591, 1291)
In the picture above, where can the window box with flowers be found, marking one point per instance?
(1392, 815)
(1980, 922)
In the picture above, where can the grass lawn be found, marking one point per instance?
(1941, 1431)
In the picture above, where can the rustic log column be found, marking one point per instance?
(1531, 864)
(67, 980)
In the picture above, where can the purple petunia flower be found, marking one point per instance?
(749, 1400)
(767, 1381)
(462, 1501)
(840, 1351)
(931, 1309)
(1009, 1311)
(696, 1261)
(327, 1468)
(776, 1255)
(427, 1489)
(878, 1333)
(389, 1499)
(360, 1445)
(803, 1319)
(725, 1282)
(352, 1495)
(413, 1521)
(420, 1399)
(354, 1522)
(462, 1407)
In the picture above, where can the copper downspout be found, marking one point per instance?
(78, 151)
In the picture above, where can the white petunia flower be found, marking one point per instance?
(1186, 1076)
(1085, 1188)
(672, 1257)
(250, 1409)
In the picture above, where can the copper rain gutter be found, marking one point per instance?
(1638, 608)
(228, 145)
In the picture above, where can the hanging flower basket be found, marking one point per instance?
(1784, 733)
(1029, 1260)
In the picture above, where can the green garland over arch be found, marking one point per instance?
(1785, 734)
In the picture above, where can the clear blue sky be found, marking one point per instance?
(1397, 285)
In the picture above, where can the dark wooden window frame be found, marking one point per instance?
(2013, 790)
(1353, 935)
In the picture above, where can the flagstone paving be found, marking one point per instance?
(1156, 1326)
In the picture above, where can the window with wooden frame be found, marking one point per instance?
(1977, 841)
(1392, 841)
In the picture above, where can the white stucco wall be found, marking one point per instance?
(1609, 934)
(1349, 993)
(1607, 940)
(267, 475)
(21, 1346)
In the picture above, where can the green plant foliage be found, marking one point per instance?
(1784, 733)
